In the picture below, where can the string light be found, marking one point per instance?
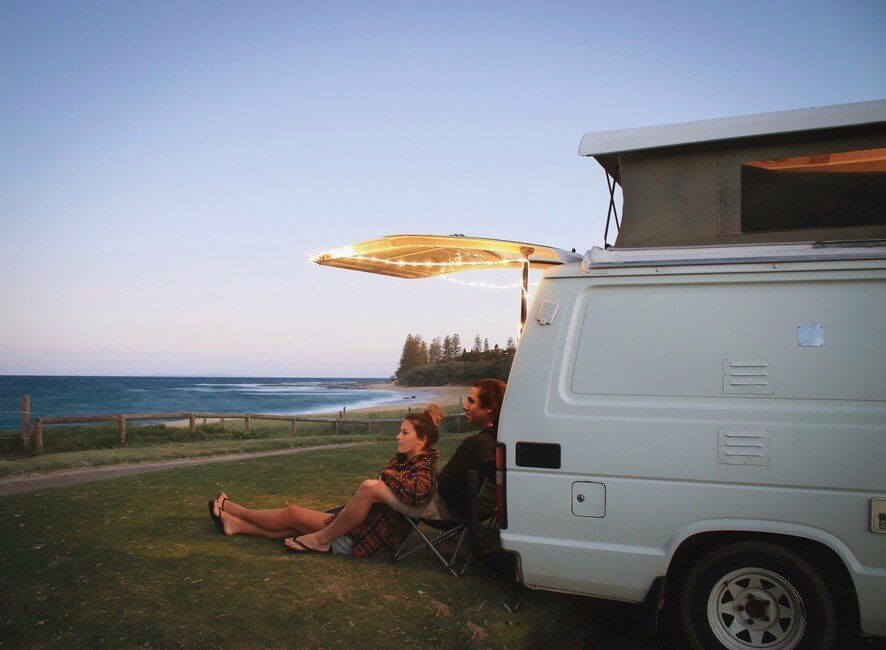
(486, 285)
(333, 255)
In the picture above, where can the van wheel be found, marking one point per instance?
(756, 595)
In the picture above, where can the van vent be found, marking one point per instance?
(748, 377)
(743, 446)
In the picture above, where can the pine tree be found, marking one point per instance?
(415, 353)
(422, 356)
(435, 351)
(511, 345)
(478, 346)
(407, 356)
(486, 345)
(457, 350)
(447, 348)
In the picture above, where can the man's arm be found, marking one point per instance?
(454, 476)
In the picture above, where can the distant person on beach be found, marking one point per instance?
(367, 522)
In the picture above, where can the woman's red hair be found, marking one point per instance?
(427, 424)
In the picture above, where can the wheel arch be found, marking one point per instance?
(831, 557)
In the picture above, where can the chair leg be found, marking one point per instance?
(461, 539)
(428, 542)
(398, 553)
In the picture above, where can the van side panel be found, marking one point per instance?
(642, 381)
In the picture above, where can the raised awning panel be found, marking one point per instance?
(422, 256)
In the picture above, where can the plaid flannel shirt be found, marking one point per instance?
(414, 482)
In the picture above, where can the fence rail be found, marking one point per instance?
(191, 416)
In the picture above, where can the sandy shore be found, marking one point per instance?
(443, 396)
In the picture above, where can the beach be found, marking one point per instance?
(442, 396)
(84, 396)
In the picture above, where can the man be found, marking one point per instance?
(482, 409)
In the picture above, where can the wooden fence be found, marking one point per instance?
(191, 417)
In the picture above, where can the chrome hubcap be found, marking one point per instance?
(756, 608)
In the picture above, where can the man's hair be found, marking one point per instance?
(491, 393)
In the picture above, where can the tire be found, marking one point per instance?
(756, 595)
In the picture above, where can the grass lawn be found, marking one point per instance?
(137, 562)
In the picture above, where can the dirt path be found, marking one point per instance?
(22, 484)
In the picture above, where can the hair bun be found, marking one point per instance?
(435, 413)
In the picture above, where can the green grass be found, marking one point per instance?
(104, 457)
(68, 447)
(136, 562)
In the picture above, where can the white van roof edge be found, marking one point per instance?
(597, 257)
(729, 128)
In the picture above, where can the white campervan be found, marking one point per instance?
(698, 413)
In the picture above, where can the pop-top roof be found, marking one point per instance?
(729, 128)
(422, 256)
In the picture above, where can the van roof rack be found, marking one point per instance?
(600, 143)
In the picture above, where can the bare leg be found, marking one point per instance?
(295, 518)
(235, 526)
(369, 493)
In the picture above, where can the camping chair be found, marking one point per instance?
(481, 521)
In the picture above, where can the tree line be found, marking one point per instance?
(445, 361)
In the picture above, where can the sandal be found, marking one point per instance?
(302, 548)
(216, 518)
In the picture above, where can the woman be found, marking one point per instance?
(367, 522)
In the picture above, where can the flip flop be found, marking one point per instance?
(303, 549)
(216, 519)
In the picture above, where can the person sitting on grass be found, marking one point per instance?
(482, 409)
(366, 523)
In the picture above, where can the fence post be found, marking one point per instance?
(221, 422)
(38, 437)
(368, 427)
(294, 426)
(344, 412)
(192, 425)
(334, 427)
(247, 426)
(26, 421)
(121, 430)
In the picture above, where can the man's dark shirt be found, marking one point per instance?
(470, 455)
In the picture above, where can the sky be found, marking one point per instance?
(167, 168)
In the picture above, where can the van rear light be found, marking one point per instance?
(501, 501)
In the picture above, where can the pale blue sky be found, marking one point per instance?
(166, 168)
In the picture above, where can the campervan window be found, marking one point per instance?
(828, 190)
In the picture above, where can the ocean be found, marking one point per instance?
(66, 396)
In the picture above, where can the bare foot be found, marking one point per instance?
(308, 541)
(229, 523)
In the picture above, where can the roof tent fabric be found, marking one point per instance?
(422, 256)
(684, 185)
